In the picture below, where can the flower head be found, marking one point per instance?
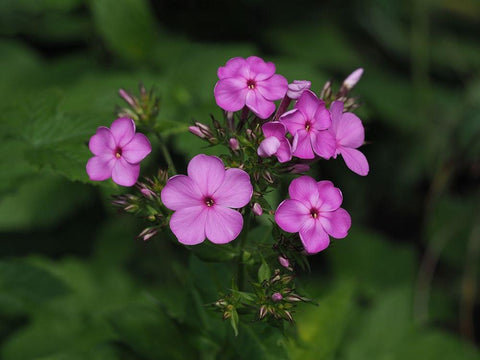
(349, 134)
(204, 200)
(307, 123)
(251, 82)
(313, 211)
(275, 142)
(118, 152)
(296, 89)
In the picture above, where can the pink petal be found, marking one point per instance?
(230, 93)
(99, 168)
(284, 152)
(274, 128)
(336, 223)
(308, 104)
(313, 236)
(268, 146)
(301, 146)
(330, 197)
(188, 224)
(181, 192)
(355, 160)
(323, 143)
(294, 120)
(291, 214)
(336, 111)
(124, 173)
(137, 149)
(223, 224)
(262, 107)
(349, 131)
(296, 89)
(236, 189)
(273, 88)
(305, 190)
(208, 173)
(102, 142)
(322, 118)
(232, 68)
(123, 130)
(259, 69)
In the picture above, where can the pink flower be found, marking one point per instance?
(275, 142)
(313, 211)
(118, 152)
(349, 134)
(352, 79)
(308, 123)
(251, 82)
(204, 199)
(296, 89)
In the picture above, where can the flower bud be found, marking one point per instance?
(204, 129)
(195, 130)
(326, 91)
(262, 312)
(352, 79)
(299, 168)
(284, 262)
(276, 297)
(148, 233)
(234, 145)
(250, 135)
(127, 97)
(257, 209)
(296, 89)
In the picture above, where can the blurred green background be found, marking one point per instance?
(74, 282)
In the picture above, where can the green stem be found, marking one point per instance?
(166, 154)
(241, 246)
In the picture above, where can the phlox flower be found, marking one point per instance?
(251, 82)
(307, 123)
(349, 134)
(313, 211)
(118, 152)
(275, 142)
(204, 199)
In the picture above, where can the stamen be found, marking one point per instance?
(118, 153)
(308, 125)
(209, 201)
(314, 213)
(251, 84)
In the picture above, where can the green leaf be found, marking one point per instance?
(263, 272)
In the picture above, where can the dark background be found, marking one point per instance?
(74, 282)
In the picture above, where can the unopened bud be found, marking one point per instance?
(288, 316)
(257, 209)
(233, 143)
(299, 168)
(268, 177)
(204, 129)
(148, 233)
(221, 303)
(262, 312)
(352, 79)
(250, 135)
(326, 91)
(195, 130)
(284, 262)
(296, 89)
(276, 297)
(127, 97)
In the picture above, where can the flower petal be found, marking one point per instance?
(308, 104)
(124, 173)
(273, 88)
(355, 160)
(181, 192)
(313, 236)
(123, 130)
(294, 121)
(102, 143)
(137, 149)
(208, 173)
(230, 93)
(323, 143)
(236, 189)
(262, 107)
(274, 128)
(302, 145)
(259, 69)
(188, 224)
(349, 131)
(223, 224)
(336, 223)
(268, 146)
(291, 214)
(284, 152)
(99, 168)
(322, 119)
(330, 197)
(336, 111)
(232, 68)
(305, 189)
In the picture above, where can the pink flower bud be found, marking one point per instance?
(195, 130)
(233, 143)
(299, 168)
(284, 262)
(352, 79)
(127, 97)
(257, 209)
(296, 89)
(276, 297)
